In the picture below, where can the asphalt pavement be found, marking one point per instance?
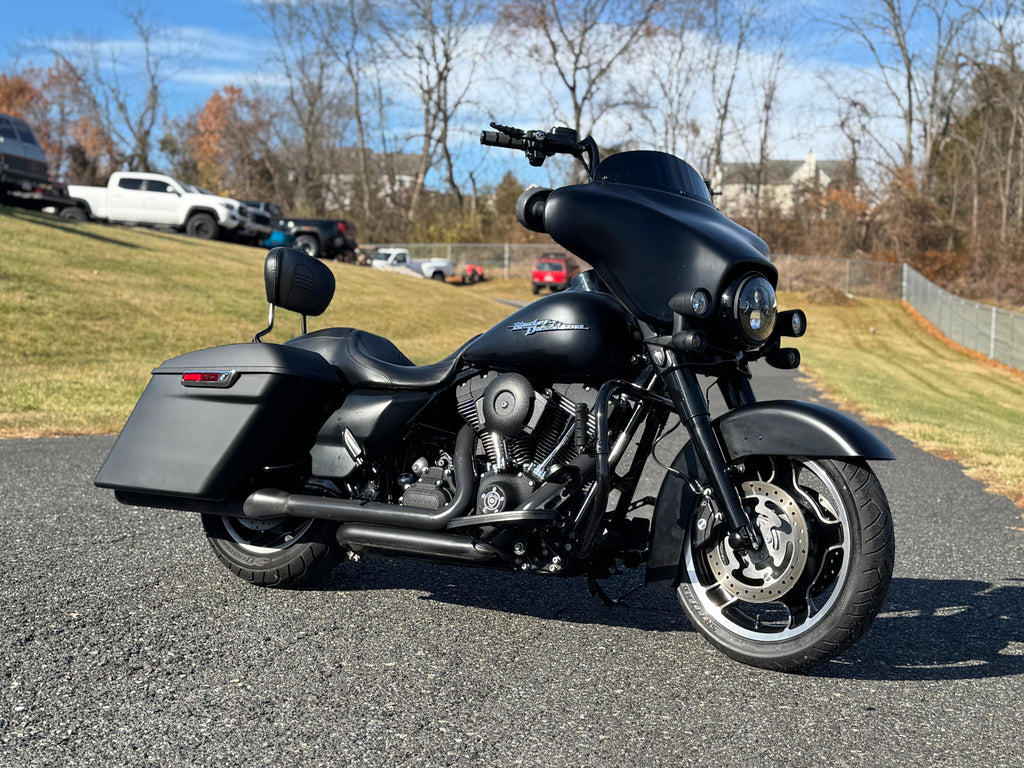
(124, 643)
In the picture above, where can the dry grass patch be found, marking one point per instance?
(876, 359)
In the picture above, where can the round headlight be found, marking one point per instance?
(755, 309)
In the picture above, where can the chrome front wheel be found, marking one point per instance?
(823, 578)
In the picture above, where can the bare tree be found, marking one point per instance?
(916, 49)
(125, 85)
(729, 28)
(765, 71)
(350, 32)
(581, 44)
(315, 107)
(435, 58)
(671, 65)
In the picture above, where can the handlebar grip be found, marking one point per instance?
(495, 139)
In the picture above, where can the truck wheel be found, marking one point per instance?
(439, 276)
(73, 213)
(202, 225)
(308, 245)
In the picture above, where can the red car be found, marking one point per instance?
(554, 271)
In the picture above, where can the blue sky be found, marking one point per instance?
(230, 39)
(227, 33)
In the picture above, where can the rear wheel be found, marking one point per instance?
(73, 213)
(308, 245)
(280, 552)
(828, 531)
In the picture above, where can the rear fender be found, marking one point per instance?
(770, 428)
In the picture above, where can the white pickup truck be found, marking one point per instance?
(398, 260)
(153, 199)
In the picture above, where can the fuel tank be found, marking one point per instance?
(573, 336)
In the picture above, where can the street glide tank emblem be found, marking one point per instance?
(530, 327)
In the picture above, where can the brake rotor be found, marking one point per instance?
(782, 526)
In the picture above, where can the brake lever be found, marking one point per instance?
(508, 130)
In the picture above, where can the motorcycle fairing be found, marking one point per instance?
(769, 428)
(647, 244)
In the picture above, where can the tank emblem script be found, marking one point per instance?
(530, 327)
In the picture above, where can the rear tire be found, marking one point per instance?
(830, 538)
(73, 213)
(308, 245)
(282, 552)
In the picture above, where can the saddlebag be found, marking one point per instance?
(210, 419)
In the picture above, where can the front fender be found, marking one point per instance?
(770, 428)
(795, 428)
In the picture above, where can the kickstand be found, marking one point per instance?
(597, 589)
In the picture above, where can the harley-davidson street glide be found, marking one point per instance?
(523, 449)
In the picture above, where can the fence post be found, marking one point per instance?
(903, 287)
(992, 337)
(506, 261)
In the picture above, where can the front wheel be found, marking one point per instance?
(828, 532)
(280, 552)
(203, 226)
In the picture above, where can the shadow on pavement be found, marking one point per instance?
(933, 629)
(929, 629)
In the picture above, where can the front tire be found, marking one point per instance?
(828, 529)
(203, 226)
(281, 552)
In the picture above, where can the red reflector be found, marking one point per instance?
(341, 227)
(223, 379)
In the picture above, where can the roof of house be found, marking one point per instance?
(777, 172)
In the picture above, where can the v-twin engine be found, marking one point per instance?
(526, 432)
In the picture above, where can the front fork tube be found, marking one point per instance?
(686, 394)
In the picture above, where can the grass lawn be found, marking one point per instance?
(878, 359)
(88, 310)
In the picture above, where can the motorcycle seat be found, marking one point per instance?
(368, 361)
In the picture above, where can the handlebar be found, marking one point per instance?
(540, 145)
(495, 139)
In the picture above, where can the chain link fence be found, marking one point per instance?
(996, 333)
(499, 260)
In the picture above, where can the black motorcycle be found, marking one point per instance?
(523, 450)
